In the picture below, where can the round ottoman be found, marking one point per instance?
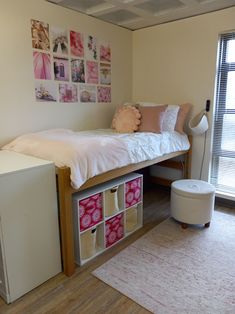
(192, 202)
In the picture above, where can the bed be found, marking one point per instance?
(87, 158)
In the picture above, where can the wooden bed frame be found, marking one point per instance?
(65, 192)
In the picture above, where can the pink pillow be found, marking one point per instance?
(152, 118)
(126, 120)
(182, 115)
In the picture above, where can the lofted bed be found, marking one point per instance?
(66, 191)
(88, 158)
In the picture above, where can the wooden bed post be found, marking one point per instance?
(66, 221)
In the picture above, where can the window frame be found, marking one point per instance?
(224, 68)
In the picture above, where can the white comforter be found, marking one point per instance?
(89, 153)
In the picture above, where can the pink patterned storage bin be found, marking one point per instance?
(90, 211)
(132, 192)
(114, 230)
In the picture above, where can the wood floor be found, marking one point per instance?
(83, 293)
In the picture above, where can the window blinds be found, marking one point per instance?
(223, 154)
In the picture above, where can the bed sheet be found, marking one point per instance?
(89, 153)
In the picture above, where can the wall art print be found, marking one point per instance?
(87, 93)
(42, 65)
(92, 72)
(91, 48)
(76, 44)
(40, 35)
(69, 66)
(61, 69)
(45, 91)
(104, 94)
(68, 92)
(78, 71)
(105, 51)
(59, 40)
(105, 73)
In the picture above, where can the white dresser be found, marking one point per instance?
(29, 232)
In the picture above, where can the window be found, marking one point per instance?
(223, 154)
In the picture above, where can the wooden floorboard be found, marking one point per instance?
(83, 293)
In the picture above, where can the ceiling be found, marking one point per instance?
(136, 14)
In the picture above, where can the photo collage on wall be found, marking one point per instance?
(70, 66)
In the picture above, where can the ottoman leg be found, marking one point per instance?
(184, 225)
(207, 225)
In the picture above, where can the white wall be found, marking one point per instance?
(176, 63)
(169, 63)
(19, 112)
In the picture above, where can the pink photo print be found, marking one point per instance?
(104, 94)
(92, 72)
(42, 65)
(77, 44)
(105, 51)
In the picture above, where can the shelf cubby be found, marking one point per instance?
(106, 214)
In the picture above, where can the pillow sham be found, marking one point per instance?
(170, 118)
(126, 120)
(151, 118)
(181, 118)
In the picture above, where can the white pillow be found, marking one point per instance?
(170, 118)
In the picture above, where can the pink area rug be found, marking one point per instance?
(172, 270)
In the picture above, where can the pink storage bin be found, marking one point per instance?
(90, 211)
(132, 192)
(114, 230)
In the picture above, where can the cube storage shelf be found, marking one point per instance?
(106, 214)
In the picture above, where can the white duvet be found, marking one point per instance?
(89, 153)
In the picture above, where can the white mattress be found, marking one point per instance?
(89, 153)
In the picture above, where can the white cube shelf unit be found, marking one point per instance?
(106, 214)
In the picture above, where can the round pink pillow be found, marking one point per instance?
(127, 119)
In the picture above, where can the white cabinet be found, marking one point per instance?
(29, 232)
(106, 214)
